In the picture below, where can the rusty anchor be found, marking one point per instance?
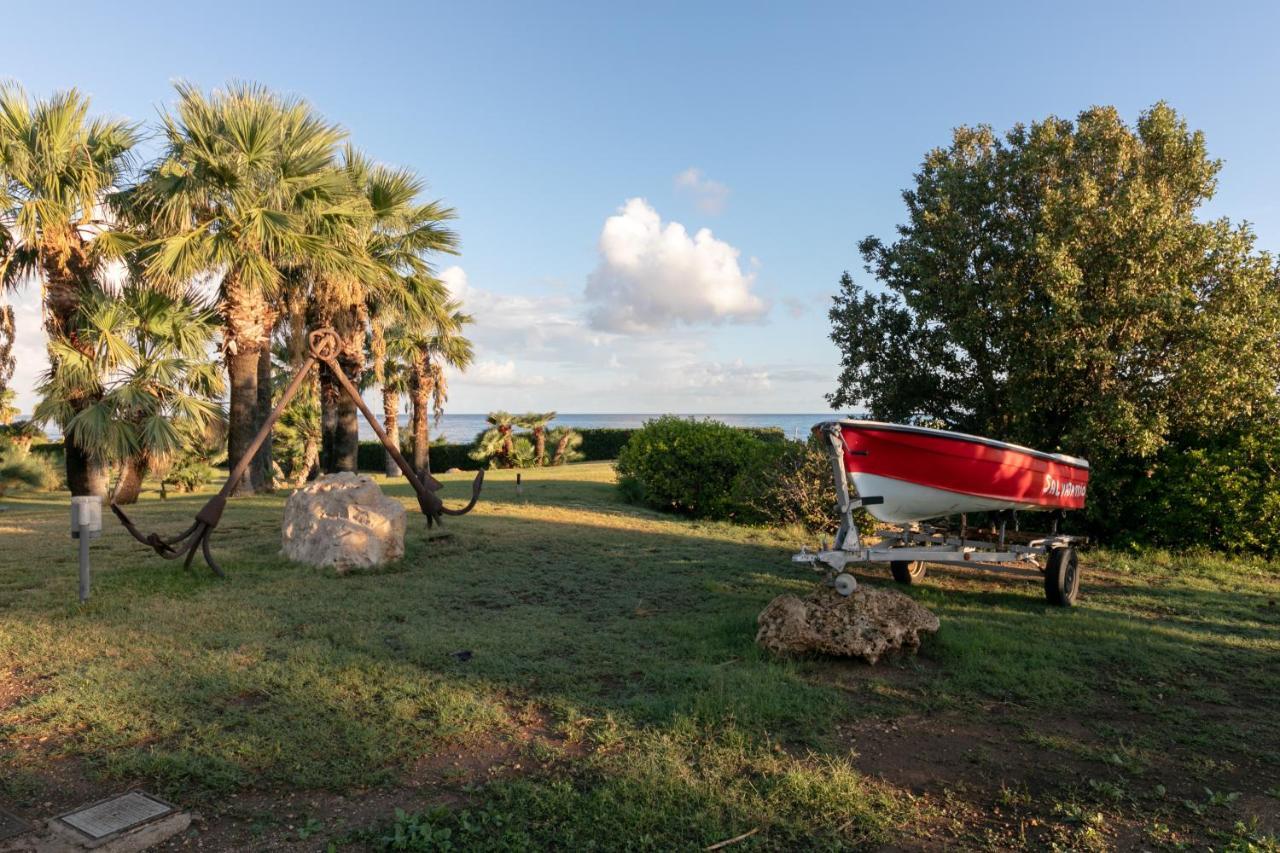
(323, 348)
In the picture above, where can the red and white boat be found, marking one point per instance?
(922, 473)
(906, 475)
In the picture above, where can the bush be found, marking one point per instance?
(604, 443)
(372, 457)
(21, 468)
(702, 469)
(799, 488)
(1223, 494)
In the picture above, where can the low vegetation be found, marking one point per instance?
(566, 669)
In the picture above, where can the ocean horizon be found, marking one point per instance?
(463, 428)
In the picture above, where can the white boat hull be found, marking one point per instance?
(906, 502)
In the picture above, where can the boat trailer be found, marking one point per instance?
(908, 547)
(323, 346)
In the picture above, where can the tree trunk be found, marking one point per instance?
(129, 484)
(391, 423)
(540, 445)
(330, 394)
(421, 395)
(247, 317)
(85, 475)
(347, 435)
(261, 473)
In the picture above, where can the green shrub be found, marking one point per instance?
(372, 457)
(702, 469)
(799, 488)
(604, 443)
(21, 468)
(1222, 494)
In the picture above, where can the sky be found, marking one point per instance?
(656, 201)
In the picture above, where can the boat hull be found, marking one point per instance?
(922, 473)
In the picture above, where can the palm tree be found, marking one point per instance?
(8, 411)
(8, 331)
(142, 359)
(394, 379)
(58, 167)
(246, 188)
(567, 443)
(537, 423)
(397, 236)
(430, 346)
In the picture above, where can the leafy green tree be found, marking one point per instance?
(142, 358)
(247, 188)
(497, 444)
(58, 169)
(1054, 287)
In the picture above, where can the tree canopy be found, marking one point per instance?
(1054, 286)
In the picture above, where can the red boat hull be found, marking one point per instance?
(963, 465)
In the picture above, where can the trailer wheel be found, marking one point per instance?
(845, 584)
(907, 572)
(1062, 577)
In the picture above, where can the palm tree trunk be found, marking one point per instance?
(421, 395)
(347, 443)
(330, 394)
(247, 317)
(540, 445)
(261, 473)
(85, 474)
(391, 423)
(129, 484)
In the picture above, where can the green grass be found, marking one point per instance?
(613, 660)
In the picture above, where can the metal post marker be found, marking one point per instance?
(86, 524)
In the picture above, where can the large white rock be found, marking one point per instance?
(344, 521)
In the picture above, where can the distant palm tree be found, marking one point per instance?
(395, 380)
(58, 168)
(246, 188)
(567, 443)
(142, 359)
(430, 347)
(537, 423)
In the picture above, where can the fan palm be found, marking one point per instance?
(58, 167)
(246, 188)
(141, 358)
(537, 423)
(429, 346)
(397, 236)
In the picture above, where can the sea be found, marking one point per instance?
(462, 429)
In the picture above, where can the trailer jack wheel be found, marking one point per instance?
(907, 572)
(845, 584)
(1062, 577)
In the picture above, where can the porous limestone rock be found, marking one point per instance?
(344, 521)
(866, 624)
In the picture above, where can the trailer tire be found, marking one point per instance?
(1062, 577)
(907, 572)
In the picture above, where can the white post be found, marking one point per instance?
(86, 524)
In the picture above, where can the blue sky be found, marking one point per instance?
(571, 137)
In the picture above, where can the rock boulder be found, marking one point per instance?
(866, 624)
(344, 521)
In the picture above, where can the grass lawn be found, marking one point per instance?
(613, 697)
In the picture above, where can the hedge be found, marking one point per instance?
(372, 456)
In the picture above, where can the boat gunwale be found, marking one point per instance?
(1074, 461)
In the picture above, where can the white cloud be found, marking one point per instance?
(653, 276)
(455, 278)
(29, 353)
(709, 196)
(498, 373)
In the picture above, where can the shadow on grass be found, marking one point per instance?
(563, 597)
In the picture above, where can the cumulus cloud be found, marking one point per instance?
(709, 196)
(500, 373)
(455, 278)
(29, 353)
(653, 276)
